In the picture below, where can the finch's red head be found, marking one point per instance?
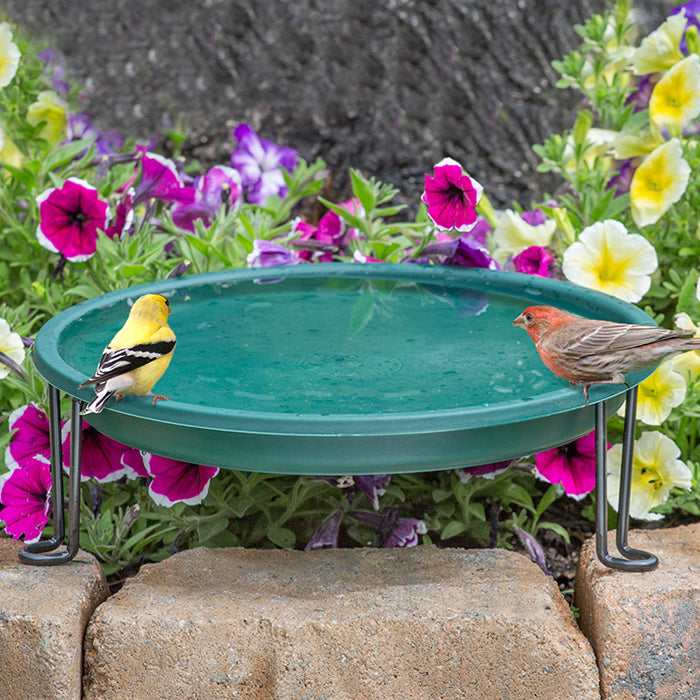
(537, 320)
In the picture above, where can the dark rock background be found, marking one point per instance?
(387, 86)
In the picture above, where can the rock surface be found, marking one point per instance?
(645, 627)
(43, 615)
(343, 624)
(387, 86)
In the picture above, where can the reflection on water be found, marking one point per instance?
(307, 345)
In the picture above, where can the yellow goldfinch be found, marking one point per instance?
(137, 356)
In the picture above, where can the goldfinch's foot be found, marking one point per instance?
(158, 397)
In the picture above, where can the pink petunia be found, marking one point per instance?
(101, 457)
(25, 494)
(451, 196)
(571, 465)
(70, 218)
(31, 436)
(534, 260)
(175, 481)
(159, 179)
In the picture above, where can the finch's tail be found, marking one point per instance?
(98, 403)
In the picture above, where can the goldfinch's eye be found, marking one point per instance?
(167, 302)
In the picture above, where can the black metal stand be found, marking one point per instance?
(41, 553)
(634, 559)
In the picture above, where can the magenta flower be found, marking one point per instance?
(159, 179)
(220, 185)
(572, 466)
(268, 254)
(133, 460)
(326, 537)
(258, 161)
(534, 260)
(325, 238)
(25, 494)
(174, 482)
(70, 218)
(101, 456)
(31, 436)
(123, 216)
(451, 196)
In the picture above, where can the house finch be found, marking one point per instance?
(586, 351)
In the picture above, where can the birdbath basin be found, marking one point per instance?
(341, 368)
(334, 369)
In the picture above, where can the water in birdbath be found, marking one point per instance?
(339, 346)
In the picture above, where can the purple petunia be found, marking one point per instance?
(258, 161)
(326, 537)
(269, 254)
(70, 218)
(393, 531)
(175, 482)
(25, 494)
(220, 185)
(451, 196)
(461, 252)
(80, 126)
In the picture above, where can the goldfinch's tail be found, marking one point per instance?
(98, 403)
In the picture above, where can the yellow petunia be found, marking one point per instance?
(50, 109)
(513, 234)
(9, 55)
(608, 258)
(675, 100)
(659, 393)
(687, 363)
(658, 182)
(661, 49)
(656, 470)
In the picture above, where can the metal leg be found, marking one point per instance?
(40, 553)
(635, 559)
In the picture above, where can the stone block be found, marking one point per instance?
(645, 626)
(43, 615)
(343, 624)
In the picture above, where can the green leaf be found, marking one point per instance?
(555, 527)
(363, 190)
(452, 529)
(64, 154)
(687, 300)
(209, 529)
(281, 536)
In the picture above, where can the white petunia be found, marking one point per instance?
(656, 470)
(608, 258)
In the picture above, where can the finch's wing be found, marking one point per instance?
(600, 337)
(116, 362)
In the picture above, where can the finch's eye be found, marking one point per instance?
(529, 318)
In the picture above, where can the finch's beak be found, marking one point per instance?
(519, 321)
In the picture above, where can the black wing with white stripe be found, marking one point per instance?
(116, 362)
